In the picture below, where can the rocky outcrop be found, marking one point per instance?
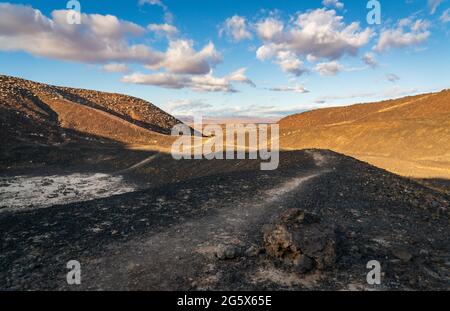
(299, 240)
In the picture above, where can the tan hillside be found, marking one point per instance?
(409, 136)
(38, 113)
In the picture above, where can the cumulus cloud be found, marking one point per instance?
(317, 34)
(433, 5)
(236, 27)
(163, 29)
(270, 29)
(116, 67)
(104, 39)
(181, 58)
(198, 83)
(289, 63)
(166, 80)
(392, 77)
(445, 17)
(295, 89)
(369, 59)
(328, 68)
(333, 3)
(98, 39)
(406, 33)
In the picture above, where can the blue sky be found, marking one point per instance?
(232, 58)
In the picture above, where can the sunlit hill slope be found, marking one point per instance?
(409, 136)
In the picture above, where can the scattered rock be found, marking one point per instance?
(227, 251)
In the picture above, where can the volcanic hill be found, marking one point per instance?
(36, 113)
(409, 136)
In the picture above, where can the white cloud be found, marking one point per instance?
(166, 80)
(406, 33)
(116, 67)
(270, 29)
(286, 59)
(236, 27)
(267, 111)
(322, 33)
(397, 91)
(433, 5)
(198, 83)
(289, 63)
(239, 76)
(163, 29)
(445, 17)
(312, 59)
(187, 107)
(168, 16)
(181, 58)
(369, 59)
(391, 92)
(295, 89)
(104, 39)
(328, 68)
(333, 3)
(98, 39)
(152, 2)
(317, 34)
(392, 77)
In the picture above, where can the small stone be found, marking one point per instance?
(402, 254)
(252, 251)
(424, 252)
(226, 252)
(304, 264)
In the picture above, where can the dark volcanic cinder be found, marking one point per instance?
(336, 211)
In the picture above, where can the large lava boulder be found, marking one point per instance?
(299, 240)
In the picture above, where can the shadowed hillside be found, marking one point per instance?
(409, 136)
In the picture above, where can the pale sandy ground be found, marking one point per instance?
(25, 192)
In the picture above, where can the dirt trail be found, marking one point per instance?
(161, 260)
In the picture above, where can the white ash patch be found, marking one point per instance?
(25, 192)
